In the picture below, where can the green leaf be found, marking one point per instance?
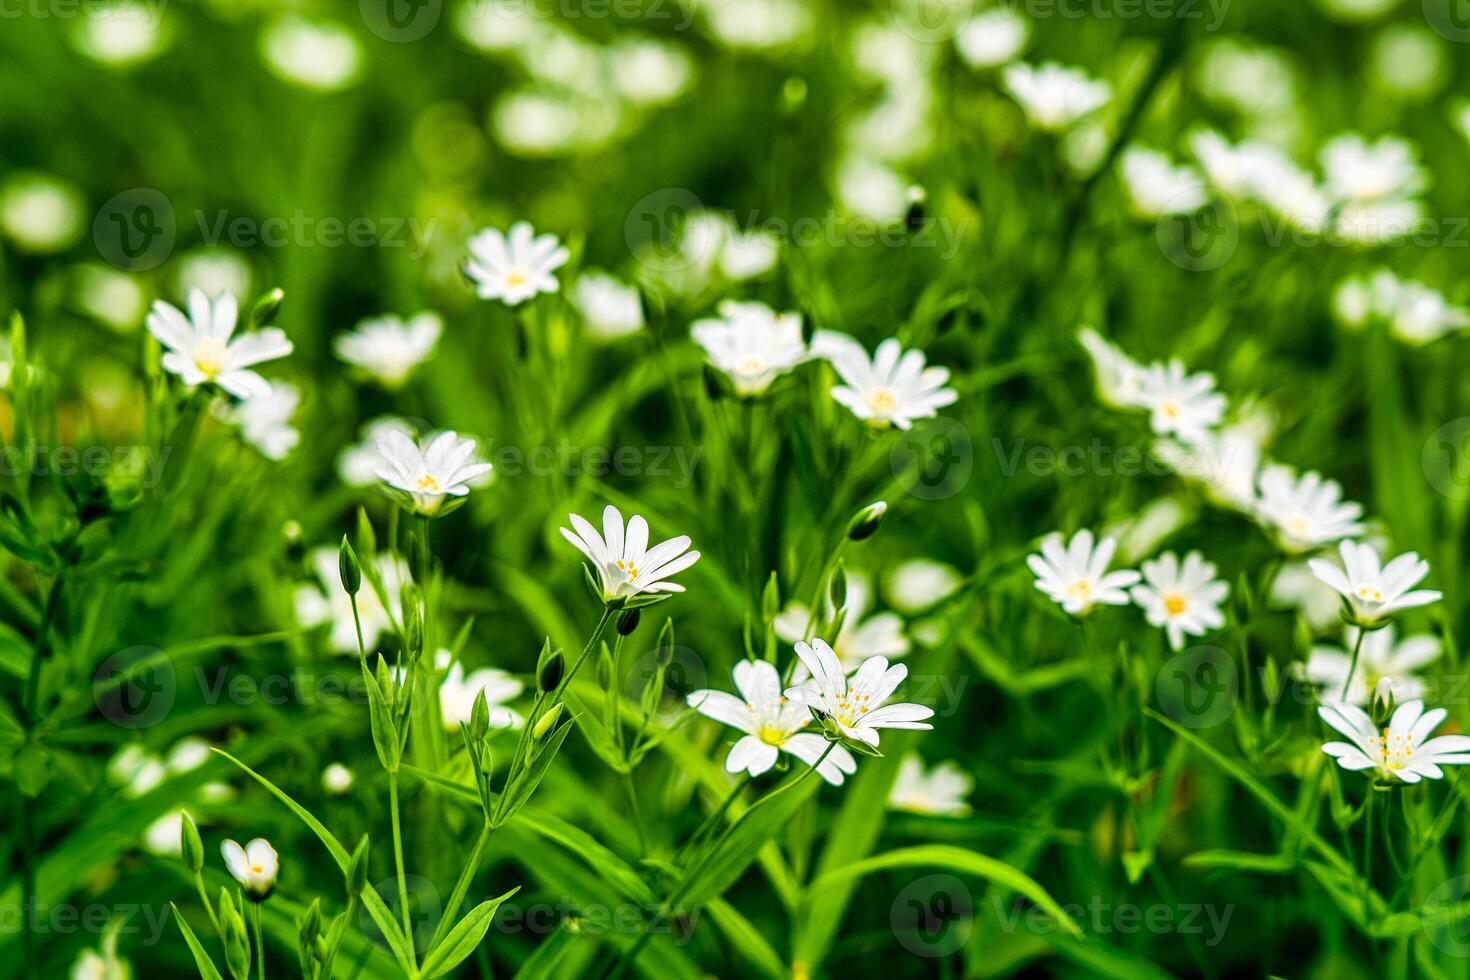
(464, 937)
(747, 939)
(542, 963)
(385, 732)
(955, 859)
(207, 969)
(526, 783)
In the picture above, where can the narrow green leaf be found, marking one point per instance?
(206, 966)
(464, 937)
(747, 939)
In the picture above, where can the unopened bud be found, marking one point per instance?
(545, 722)
(191, 846)
(866, 521)
(348, 568)
(628, 622)
(479, 716)
(837, 590)
(357, 868)
(265, 309)
(549, 669)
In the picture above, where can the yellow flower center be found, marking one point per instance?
(1370, 593)
(1393, 750)
(772, 735)
(1175, 604)
(428, 483)
(751, 365)
(1080, 589)
(209, 356)
(516, 278)
(883, 401)
(628, 568)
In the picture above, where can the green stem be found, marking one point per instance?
(259, 943)
(398, 857)
(607, 615)
(713, 819)
(462, 886)
(637, 813)
(204, 897)
(1353, 664)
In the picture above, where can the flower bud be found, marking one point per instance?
(357, 868)
(348, 568)
(666, 644)
(479, 716)
(770, 600)
(549, 669)
(628, 622)
(190, 845)
(265, 309)
(309, 926)
(545, 723)
(837, 588)
(604, 669)
(866, 521)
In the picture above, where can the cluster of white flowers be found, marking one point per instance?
(1413, 312)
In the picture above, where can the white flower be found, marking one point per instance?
(213, 271)
(1403, 750)
(358, 464)
(458, 690)
(163, 836)
(1305, 512)
(1238, 170)
(609, 307)
(1053, 95)
(1383, 664)
(187, 754)
(107, 965)
(940, 792)
(1297, 588)
(1374, 591)
(323, 56)
(1119, 377)
(772, 723)
(514, 267)
(40, 213)
(1076, 575)
(919, 584)
(388, 347)
(1293, 195)
(1182, 599)
(202, 348)
(1358, 170)
(1182, 405)
(264, 419)
(856, 704)
(894, 388)
(314, 608)
(1157, 187)
(1414, 312)
(880, 635)
(992, 38)
(337, 779)
(752, 344)
(625, 565)
(120, 33)
(648, 72)
(254, 866)
(1224, 464)
(432, 475)
(136, 770)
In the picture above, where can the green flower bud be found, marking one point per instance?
(309, 926)
(545, 723)
(666, 644)
(348, 568)
(479, 717)
(190, 844)
(628, 622)
(866, 521)
(263, 313)
(357, 868)
(837, 588)
(604, 669)
(549, 669)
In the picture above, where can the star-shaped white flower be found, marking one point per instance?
(609, 307)
(1076, 575)
(254, 866)
(1385, 664)
(1183, 599)
(1182, 405)
(1374, 591)
(879, 635)
(1402, 751)
(1305, 512)
(1157, 187)
(894, 388)
(772, 724)
(202, 348)
(856, 705)
(752, 344)
(264, 420)
(939, 792)
(1053, 95)
(626, 567)
(435, 477)
(514, 267)
(1356, 169)
(388, 347)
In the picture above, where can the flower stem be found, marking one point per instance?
(637, 812)
(398, 856)
(1353, 664)
(466, 875)
(607, 615)
(259, 943)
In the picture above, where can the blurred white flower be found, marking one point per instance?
(389, 347)
(879, 635)
(187, 754)
(993, 37)
(1156, 187)
(202, 347)
(1297, 588)
(112, 298)
(120, 33)
(337, 779)
(610, 308)
(458, 690)
(255, 866)
(1237, 170)
(1413, 312)
(1374, 591)
(213, 271)
(751, 343)
(1357, 169)
(1119, 377)
(496, 26)
(856, 705)
(1252, 79)
(1403, 751)
(331, 604)
(546, 122)
(772, 723)
(320, 55)
(939, 792)
(1305, 512)
(919, 584)
(649, 72)
(1224, 464)
(431, 478)
(757, 25)
(40, 213)
(893, 388)
(1180, 404)
(1384, 664)
(872, 190)
(514, 267)
(1181, 598)
(1075, 575)
(358, 464)
(622, 560)
(1409, 61)
(264, 419)
(1053, 95)
(163, 836)
(105, 965)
